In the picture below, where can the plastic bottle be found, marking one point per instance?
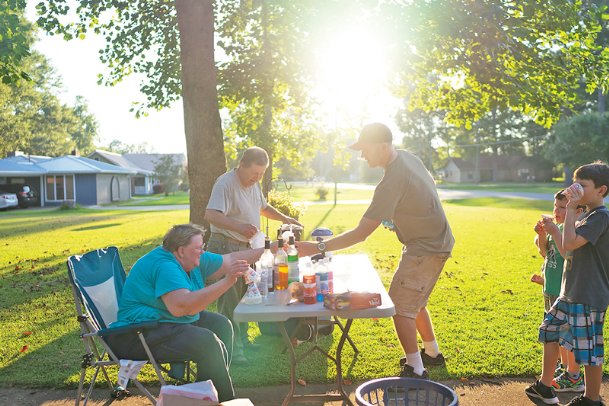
(263, 280)
(293, 273)
(330, 275)
(252, 296)
(321, 273)
(280, 267)
(308, 280)
(266, 265)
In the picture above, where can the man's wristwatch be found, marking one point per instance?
(321, 246)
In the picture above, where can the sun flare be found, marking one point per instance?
(353, 74)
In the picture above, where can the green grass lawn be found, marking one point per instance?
(485, 309)
(303, 193)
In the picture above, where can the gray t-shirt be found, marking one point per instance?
(239, 203)
(407, 197)
(585, 279)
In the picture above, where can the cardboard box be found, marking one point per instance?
(352, 300)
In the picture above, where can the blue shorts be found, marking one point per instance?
(576, 327)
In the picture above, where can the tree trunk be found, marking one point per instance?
(203, 128)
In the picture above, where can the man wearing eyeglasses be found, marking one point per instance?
(234, 209)
(167, 285)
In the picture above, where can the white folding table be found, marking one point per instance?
(351, 272)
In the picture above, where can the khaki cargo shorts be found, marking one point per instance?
(413, 282)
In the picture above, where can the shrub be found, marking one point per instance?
(69, 205)
(158, 188)
(284, 204)
(322, 193)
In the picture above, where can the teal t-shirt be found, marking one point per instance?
(552, 268)
(154, 275)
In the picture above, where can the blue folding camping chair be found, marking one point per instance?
(97, 280)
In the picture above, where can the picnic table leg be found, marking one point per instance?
(339, 352)
(288, 344)
(340, 325)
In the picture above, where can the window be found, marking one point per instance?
(60, 187)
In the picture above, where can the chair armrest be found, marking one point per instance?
(127, 329)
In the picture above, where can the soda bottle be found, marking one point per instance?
(266, 264)
(280, 267)
(293, 273)
(310, 291)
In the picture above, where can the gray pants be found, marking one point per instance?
(207, 342)
(230, 299)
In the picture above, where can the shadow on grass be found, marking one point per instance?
(26, 280)
(50, 220)
(321, 221)
(97, 227)
(39, 300)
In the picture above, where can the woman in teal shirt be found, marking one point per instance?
(168, 285)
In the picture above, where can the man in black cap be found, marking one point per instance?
(406, 202)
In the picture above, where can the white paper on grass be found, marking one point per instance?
(204, 392)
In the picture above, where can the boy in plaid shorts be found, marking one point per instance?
(576, 319)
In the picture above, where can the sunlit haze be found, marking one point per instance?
(351, 77)
(352, 80)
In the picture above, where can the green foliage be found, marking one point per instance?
(285, 204)
(322, 193)
(15, 41)
(169, 173)
(121, 147)
(470, 57)
(33, 120)
(262, 83)
(580, 140)
(141, 37)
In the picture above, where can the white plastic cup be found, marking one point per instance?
(257, 241)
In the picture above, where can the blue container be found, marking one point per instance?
(404, 392)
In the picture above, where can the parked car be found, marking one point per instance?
(26, 195)
(8, 200)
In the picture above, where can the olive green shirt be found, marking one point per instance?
(407, 197)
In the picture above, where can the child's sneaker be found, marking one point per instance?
(581, 400)
(560, 368)
(542, 392)
(564, 383)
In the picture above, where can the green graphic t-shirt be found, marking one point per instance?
(552, 268)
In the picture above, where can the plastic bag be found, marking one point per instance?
(128, 370)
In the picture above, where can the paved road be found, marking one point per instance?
(445, 194)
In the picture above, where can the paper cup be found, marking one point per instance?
(257, 240)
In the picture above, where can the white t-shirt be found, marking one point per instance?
(242, 204)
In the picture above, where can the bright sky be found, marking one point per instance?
(77, 63)
(351, 87)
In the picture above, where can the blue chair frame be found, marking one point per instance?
(97, 280)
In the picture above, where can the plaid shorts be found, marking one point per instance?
(576, 327)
